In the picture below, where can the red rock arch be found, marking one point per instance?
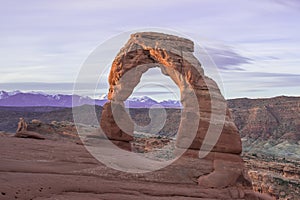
(174, 56)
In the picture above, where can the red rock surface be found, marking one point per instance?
(276, 177)
(271, 118)
(29, 134)
(47, 169)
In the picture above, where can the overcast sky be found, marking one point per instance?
(254, 43)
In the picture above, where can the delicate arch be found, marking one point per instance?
(174, 56)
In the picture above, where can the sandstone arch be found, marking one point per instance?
(174, 56)
(200, 97)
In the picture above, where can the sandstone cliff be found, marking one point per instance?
(269, 126)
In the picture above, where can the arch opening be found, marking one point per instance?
(154, 109)
(156, 85)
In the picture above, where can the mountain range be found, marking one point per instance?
(32, 99)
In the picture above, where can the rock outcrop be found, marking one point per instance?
(277, 177)
(270, 130)
(269, 126)
(267, 118)
(205, 122)
(22, 131)
(47, 169)
(30, 134)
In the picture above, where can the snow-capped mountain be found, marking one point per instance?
(21, 99)
(170, 104)
(4, 94)
(103, 97)
(147, 102)
(31, 99)
(140, 102)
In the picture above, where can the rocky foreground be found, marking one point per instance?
(277, 177)
(271, 155)
(270, 131)
(55, 168)
(62, 149)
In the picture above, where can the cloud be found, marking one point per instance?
(294, 4)
(269, 74)
(227, 59)
(262, 77)
(260, 84)
(29, 86)
(273, 80)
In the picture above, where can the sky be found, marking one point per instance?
(255, 44)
